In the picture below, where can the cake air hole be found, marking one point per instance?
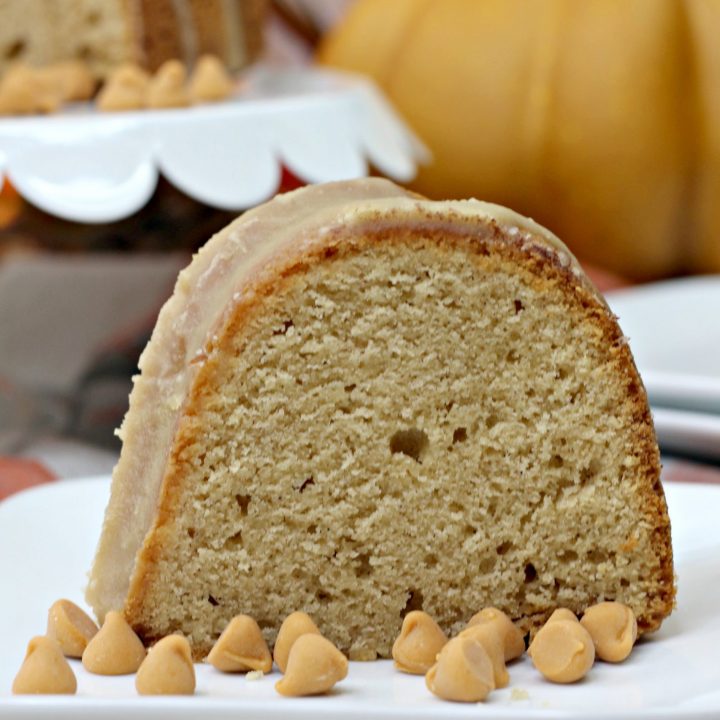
(589, 473)
(412, 442)
(597, 556)
(567, 556)
(362, 568)
(487, 564)
(243, 501)
(283, 329)
(460, 435)
(530, 573)
(234, 541)
(414, 602)
(556, 461)
(306, 483)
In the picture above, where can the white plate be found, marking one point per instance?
(47, 537)
(688, 433)
(674, 333)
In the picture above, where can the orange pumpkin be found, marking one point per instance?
(600, 118)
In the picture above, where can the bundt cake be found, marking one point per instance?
(358, 403)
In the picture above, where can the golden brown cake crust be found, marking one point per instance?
(481, 236)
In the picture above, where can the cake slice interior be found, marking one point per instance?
(409, 405)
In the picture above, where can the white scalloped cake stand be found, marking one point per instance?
(322, 125)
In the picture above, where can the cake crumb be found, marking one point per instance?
(519, 694)
(255, 675)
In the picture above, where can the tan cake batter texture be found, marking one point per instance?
(360, 403)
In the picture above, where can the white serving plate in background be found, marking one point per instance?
(47, 539)
(687, 433)
(674, 333)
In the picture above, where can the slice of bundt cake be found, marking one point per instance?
(358, 403)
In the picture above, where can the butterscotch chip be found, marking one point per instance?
(45, 671)
(463, 671)
(313, 667)
(71, 627)
(563, 614)
(24, 91)
(241, 647)
(294, 625)
(16, 99)
(562, 651)
(167, 86)
(488, 635)
(71, 78)
(513, 640)
(558, 614)
(416, 648)
(210, 80)
(125, 89)
(613, 629)
(167, 669)
(115, 650)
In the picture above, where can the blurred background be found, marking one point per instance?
(600, 119)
